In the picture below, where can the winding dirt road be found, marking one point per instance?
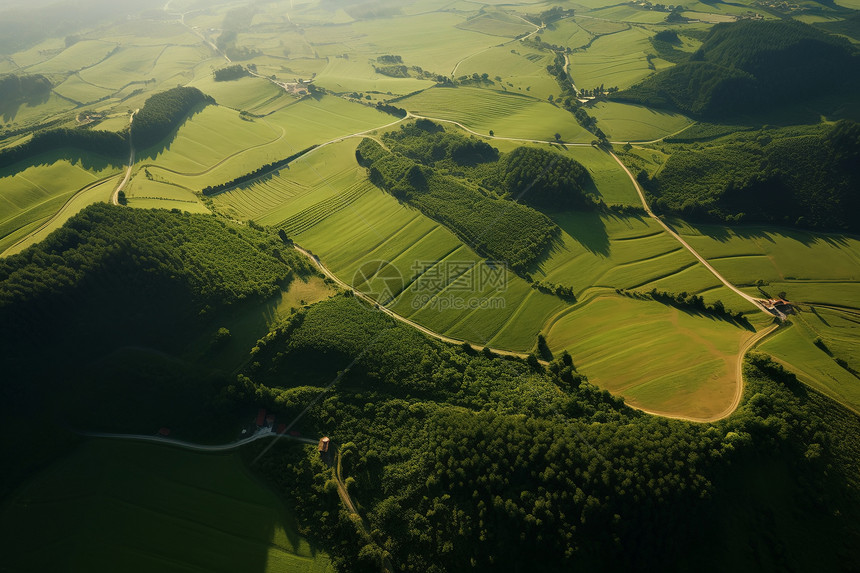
(197, 447)
(398, 317)
(684, 243)
(114, 199)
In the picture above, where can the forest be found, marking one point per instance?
(163, 112)
(458, 459)
(748, 65)
(496, 228)
(471, 461)
(129, 302)
(799, 176)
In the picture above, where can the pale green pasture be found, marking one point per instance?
(521, 69)
(130, 63)
(507, 115)
(207, 153)
(41, 52)
(207, 138)
(613, 60)
(497, 24)
(432, 41)
(655, 356)
(80, 55)
(749, 253)
(624, 122)
(25, 113)
(566, 33)
(627, 13)
(357, 74)
(78, 90)
(248, 93)
(794, 347)
(30, 197)
(37, 231)
(145, 193)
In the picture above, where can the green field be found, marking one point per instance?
(522, 69)
(617, 59)
(622, 122)
(506, 114)
(217, 145)
(655, 356)
(818, 272)
(126, 506)
(32, 195)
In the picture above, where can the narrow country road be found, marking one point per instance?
(684, 243)
(197, 447)
(396, 316)
(114, 199)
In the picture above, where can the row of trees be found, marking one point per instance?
(259, 172)
(230, 73)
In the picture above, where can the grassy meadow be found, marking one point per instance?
(34, 193)
(505, 114)
(120, 505)
(657, 357)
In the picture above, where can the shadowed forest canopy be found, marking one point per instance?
(750, 64)
(804, 176)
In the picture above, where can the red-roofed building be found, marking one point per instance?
(295, 433)
(261, 417)
(164, 432)
(282, 428)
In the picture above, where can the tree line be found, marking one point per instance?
(259, 172)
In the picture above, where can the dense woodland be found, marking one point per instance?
(468, 461)
(163, 112)
(800, 176)
(457, 459)
(751, 64)
(496, 228)
(530, 175)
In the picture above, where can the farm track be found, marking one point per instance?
(197, 447)
(395, 316)
(114, 198)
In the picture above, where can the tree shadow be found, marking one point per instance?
(87, 160)
(724, 233)
(586, 227)
(152, 152)
(9, 109)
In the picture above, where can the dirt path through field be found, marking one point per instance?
(114, 199)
